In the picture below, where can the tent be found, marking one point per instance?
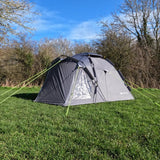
(82, 79)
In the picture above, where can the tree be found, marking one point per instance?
(83, 47)
(62, 46)
(52, 48)
(16, 62)
(141, 18)
(117, 47)
(14, 14)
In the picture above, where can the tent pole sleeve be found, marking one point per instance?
(89, 73)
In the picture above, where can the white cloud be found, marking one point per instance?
(51, 23)
(47, 20)
(86, 31)
(46, 25)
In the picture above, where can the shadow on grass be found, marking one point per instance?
(27, 96)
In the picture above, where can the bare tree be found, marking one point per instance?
(14, 14)
(62, 46)
(53, 48)
(141, 18)
(83, 47)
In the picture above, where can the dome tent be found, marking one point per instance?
(82, 79)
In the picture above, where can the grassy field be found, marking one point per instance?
(117, 130)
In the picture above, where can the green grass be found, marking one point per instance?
(117, 130)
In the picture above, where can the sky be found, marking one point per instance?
(75, 20)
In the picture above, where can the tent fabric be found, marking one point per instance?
(82, 79)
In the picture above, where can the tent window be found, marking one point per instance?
(83, 88)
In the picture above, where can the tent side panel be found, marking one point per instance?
(117, 90)
(57, 84)
(111, 85)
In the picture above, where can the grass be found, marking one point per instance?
(112, 130)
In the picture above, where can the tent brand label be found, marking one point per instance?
(123, 93)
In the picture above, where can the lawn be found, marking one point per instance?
(112, 130)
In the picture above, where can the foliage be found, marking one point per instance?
(13, 14)
(141, 19)
(23, 58)
(116, 47)
(17, 60)
(111, 130)
(84, 47)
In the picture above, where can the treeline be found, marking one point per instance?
(23, 58)
(131, 40)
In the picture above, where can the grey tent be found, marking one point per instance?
(82, 79)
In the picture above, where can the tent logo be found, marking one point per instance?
(123, 93)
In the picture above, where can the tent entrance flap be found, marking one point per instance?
(83, 87)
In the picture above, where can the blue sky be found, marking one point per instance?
(71, 19)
